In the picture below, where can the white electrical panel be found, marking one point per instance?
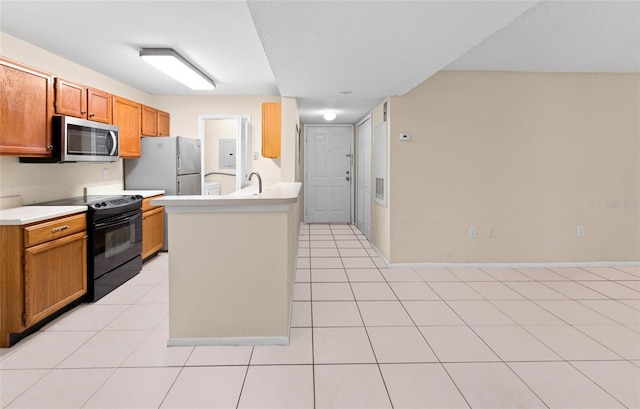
(227, 153)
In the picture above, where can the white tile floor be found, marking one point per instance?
(363, 336)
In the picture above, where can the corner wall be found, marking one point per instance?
(523, 157)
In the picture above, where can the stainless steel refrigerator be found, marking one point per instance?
(171, 164)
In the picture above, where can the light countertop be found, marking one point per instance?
(16, 216)
(282, 193)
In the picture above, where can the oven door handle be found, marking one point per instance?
(118, 220)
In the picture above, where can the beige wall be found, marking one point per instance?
(381, 216)
(290, 141)
(529, 155)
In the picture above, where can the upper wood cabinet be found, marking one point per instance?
(149, 121)
(99, 106)
(26, 107)
(164, 124)
(128, 116)
(271, 129)
(154, 122)
(78, 100)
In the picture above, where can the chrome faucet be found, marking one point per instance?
(259, 180)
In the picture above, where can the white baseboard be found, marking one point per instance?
(516, 265)
(241, 341)
(508, 264)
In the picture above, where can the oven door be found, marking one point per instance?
(116, 240)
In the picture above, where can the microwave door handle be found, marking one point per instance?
(115, 143)
(178, 188)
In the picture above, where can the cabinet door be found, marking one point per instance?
(26, 107)
(55, 274)
(98, 106)
(127, 115)
(271, 124)
(152, 231)
(149, 121)
(71, 98)
(164, 124)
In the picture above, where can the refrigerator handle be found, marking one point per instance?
(178, 162)
(178, 188)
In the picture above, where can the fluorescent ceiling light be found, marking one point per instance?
(172, 64)
(329, 115)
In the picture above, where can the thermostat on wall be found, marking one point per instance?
(405, 137)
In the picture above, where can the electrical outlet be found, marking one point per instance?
(490, 232)
(580, 231)
(255, 156)
(105, 173)
(472, 232)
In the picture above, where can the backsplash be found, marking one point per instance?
(51, 181)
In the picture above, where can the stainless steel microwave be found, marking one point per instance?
(80, 140)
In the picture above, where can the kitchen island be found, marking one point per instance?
(232, 261)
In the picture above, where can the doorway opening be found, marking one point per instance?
(226, 150)
(328, 173)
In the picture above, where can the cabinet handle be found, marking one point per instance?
(59, 228)
(50, 147)
(92, 115)
(83, 112)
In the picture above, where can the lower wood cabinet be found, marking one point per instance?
(152, 227)
(43, 269)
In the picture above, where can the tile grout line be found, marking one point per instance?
(373, 351)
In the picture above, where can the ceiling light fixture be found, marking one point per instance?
(329, 115)
(174, 65)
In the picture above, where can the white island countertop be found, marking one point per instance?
(283, 193)
(16, 216)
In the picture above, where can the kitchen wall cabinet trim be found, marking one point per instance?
(271, 129)
(26, 107)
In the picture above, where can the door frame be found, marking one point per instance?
(351, 169)
(369, 118)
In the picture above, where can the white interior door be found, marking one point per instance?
(363, 156)
(328, 165)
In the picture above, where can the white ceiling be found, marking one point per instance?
(315, 50)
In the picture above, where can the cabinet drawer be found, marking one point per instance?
(53, 229)
(146, 205)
